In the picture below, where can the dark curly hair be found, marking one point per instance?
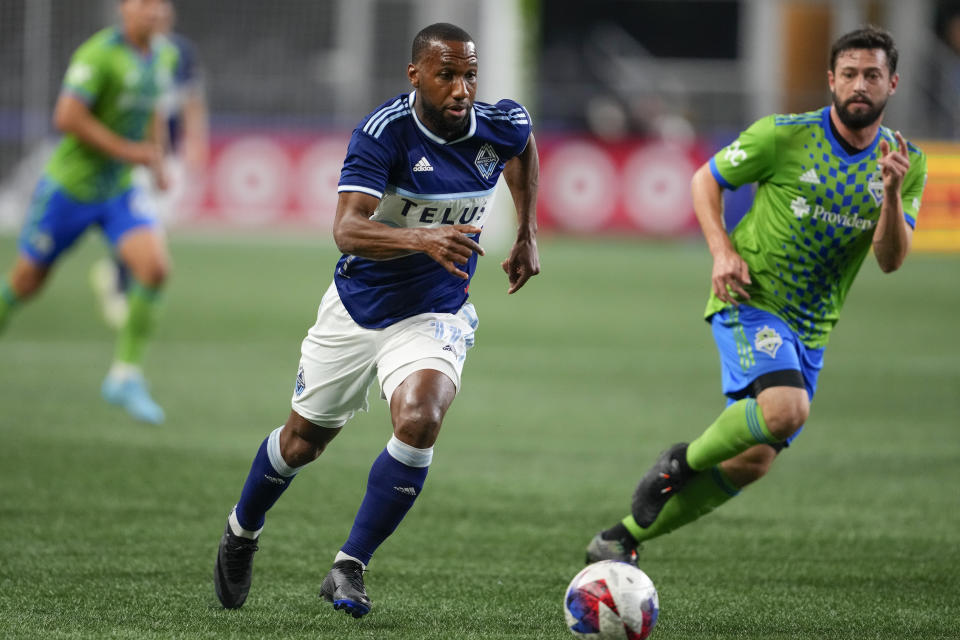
(869, 37)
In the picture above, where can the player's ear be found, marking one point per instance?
(894, 81)
(830, 79)
(413, 75)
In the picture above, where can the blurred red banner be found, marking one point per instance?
(586, 186)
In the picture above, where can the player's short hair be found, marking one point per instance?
(869, 37)
(438, 32)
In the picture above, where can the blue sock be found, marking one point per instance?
(395, 481)
(269, 476)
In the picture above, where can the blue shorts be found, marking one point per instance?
(753, 342)
(55, 220)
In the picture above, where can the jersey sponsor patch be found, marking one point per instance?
(800, 207)
(734, 154)
(402, 209)
(767, 340)
(79, 73)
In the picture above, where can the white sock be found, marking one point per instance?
(343, 556)
(240, 531)
(124, 371)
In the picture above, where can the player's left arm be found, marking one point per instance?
(158, 134)
(196, 130)
(522, 175)
(189, 76)
(893, 236)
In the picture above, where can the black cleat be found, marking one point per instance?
(343, 586)
(603, 549)
(666, 477)
(231, 576)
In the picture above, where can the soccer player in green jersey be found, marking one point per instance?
(107, 114)
(831, 184)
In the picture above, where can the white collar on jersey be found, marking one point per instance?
(432, 135)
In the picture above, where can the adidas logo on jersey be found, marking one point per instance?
(410, 491)
(810, 176)
(423, 165)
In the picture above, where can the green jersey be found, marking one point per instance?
(812, 220)
(120, 85)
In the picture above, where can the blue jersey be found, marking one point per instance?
(422, 180)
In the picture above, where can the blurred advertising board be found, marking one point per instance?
(586, 186)
(938, 227)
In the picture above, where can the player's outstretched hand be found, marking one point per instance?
(451, 246)
(894, 164)
(522, 264)
(730, 274)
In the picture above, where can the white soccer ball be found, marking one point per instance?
(611, 599)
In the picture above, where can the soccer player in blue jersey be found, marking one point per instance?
(107, 113)
(832, 183)
(415, 191)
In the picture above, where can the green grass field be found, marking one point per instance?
(108, 528)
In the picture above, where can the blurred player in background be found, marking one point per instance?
(832, 183)
(414, 194)
(187, 121)
(107, 114)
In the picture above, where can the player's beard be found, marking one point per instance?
(858, 119)
(443, 126)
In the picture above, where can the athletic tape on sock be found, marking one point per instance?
(276, 459)
(409, 455)
(238, 530)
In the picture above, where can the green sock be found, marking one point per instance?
(142, 304)
(8, 301)
(704, 493)
(739, 427)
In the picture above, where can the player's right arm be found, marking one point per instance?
(730, 271)
(84, 81)
(749, 158)
(71, 116)
(357, 235)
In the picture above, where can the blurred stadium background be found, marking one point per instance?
(110, 528)
(628, 96)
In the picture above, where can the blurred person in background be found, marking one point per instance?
(944, 70)
(414, 194)
(184, 107)
(108, 113)
(832, 184)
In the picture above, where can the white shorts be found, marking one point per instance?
(339, 359)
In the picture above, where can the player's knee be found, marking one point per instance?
(302, 442)
(418, 423)
(155, 274)
(25, 282)
(784, 413)
(749, 466)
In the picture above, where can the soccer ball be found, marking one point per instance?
(611, 599)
